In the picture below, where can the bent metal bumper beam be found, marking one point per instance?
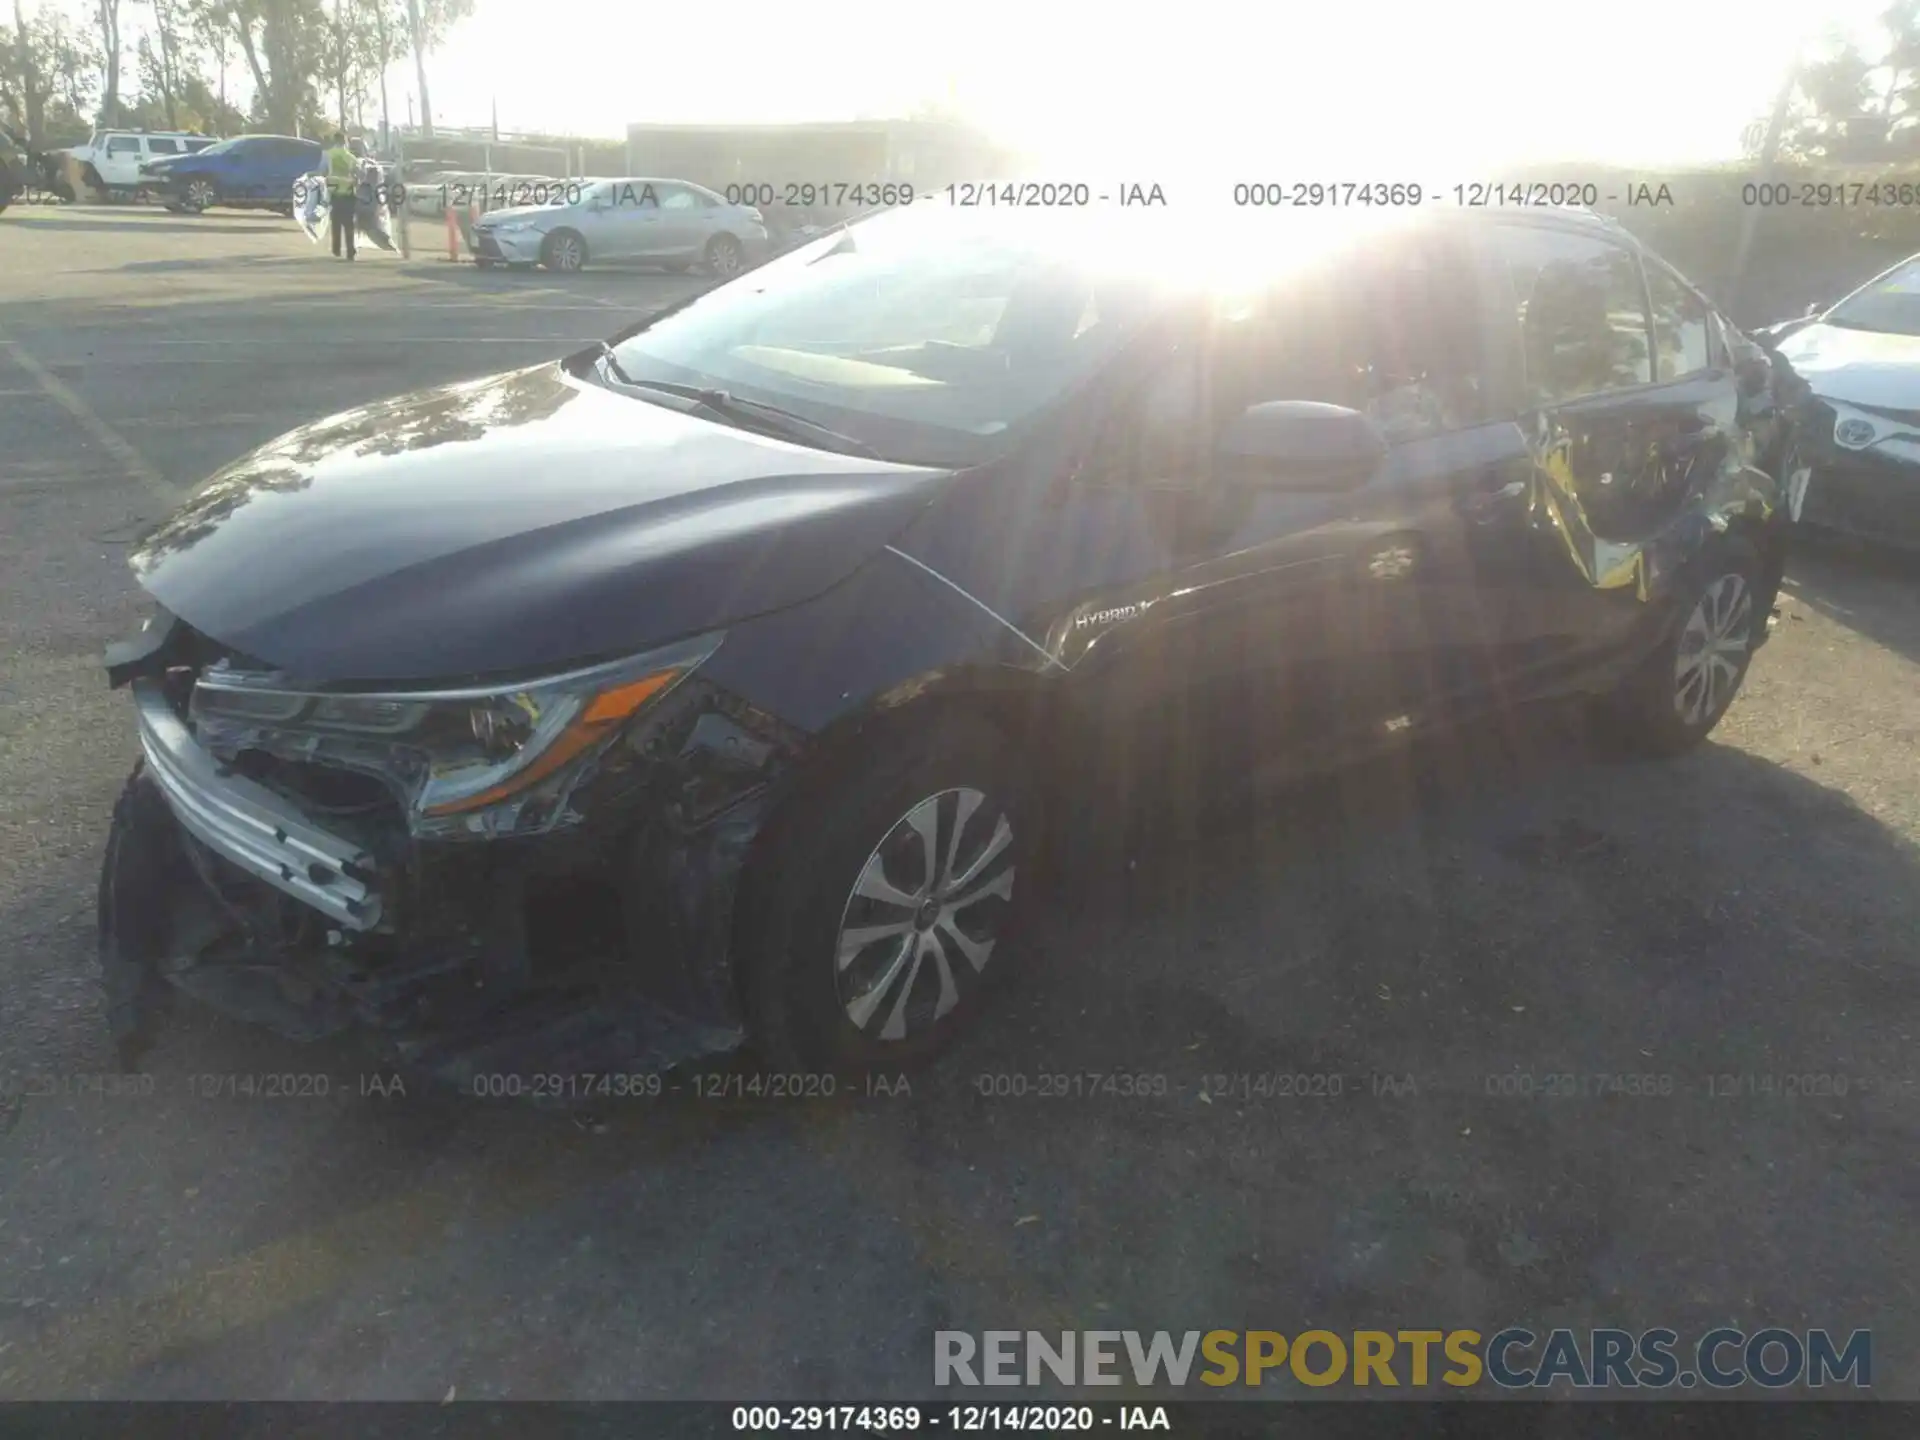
(248, 824)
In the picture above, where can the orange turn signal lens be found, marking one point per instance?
(607, 710)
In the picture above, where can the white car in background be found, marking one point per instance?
(1861, 428)
(111, 160)
(674, 224)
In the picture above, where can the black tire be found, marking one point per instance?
(481, 262)
(802, 891)
(564, 252)
(1659, 711)
(724, 256)
(143, 861)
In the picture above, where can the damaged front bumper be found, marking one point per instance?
(603, 945)
(247, 824)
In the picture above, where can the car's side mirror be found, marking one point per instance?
(1299, 445)
(1754, 372)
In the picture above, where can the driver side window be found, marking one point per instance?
(1392, 332)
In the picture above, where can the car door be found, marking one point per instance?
(1627, 403)
(624, 222)
(681, 232)
(288, 161)
(1284, 620)
(246, 170)
(120, 161)
(159, 147)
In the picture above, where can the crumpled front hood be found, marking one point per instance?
(1858, 367)
(520, 522)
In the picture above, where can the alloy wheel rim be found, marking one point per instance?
(726, 257)
(1713, 645)
(906, 953)
(568, 254)
(200, 193)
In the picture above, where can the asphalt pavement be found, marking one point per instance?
(1430, 941)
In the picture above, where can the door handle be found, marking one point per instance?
(1489, 491)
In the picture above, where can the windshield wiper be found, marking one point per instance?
(612, 357)
(737, 408)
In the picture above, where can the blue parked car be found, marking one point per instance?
(254, 172)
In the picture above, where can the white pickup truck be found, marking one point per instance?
(110, 161)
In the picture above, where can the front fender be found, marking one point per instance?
(786, 701)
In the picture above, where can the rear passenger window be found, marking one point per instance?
(163, 147)
(1581, 312)
(1680, 330)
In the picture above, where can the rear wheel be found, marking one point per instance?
(885, 913)
(1679, 694)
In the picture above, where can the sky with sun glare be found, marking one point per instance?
(1343, 91)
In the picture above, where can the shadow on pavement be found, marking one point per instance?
(211, 262)
(145, 226)
(1413, 951)
(594, 283)
(1338, 1012)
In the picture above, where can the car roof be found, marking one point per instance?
(645, 180)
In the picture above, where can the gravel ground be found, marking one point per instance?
(1431, 932)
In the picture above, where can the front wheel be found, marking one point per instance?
(885, 913)
(1679, 694)
(143, 862)
(563, 252)
(724, 256)
(201, 195)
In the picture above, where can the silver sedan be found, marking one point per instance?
(671, 223)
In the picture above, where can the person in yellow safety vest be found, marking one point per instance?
(342, 166)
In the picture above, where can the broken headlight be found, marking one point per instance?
(485, 761)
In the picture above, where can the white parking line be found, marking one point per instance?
(308, 343)
(108, 439)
